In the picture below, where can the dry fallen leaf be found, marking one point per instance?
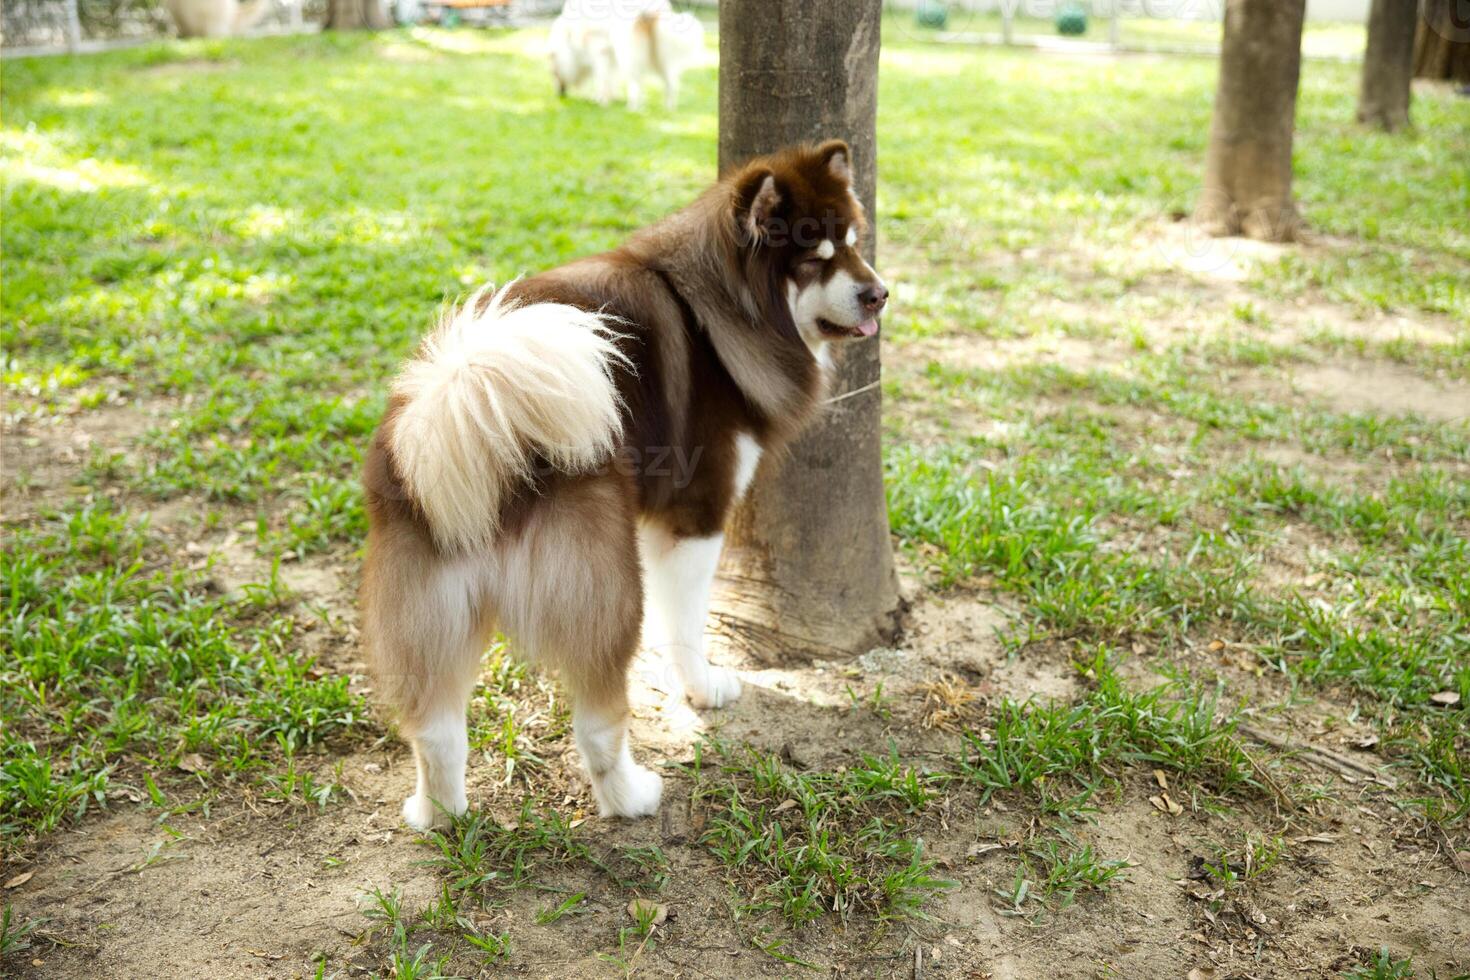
(784, 806)
(20, 879)
(1202, 973)
(1447, 699)
(1161, 779)
(1164, 804)
(576, 823)
(641, 909)
(1462, 861)
(1216, 646)
(193, 762)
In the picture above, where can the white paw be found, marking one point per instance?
(420, 813)
(628, 791)
(721, 687)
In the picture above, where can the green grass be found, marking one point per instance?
(1065, 871)
(425, 946)
(1253, 857)
(119, 666)
(1065, 752)
(1383, 966)
(806, 844)
(479, 855)
(478, 861)
(14, 932)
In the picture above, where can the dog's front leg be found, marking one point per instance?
(681, 573)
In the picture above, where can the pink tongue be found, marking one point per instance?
(867, 328)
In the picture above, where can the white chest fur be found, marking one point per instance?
(747, 458)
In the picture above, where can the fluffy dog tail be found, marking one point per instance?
(495, 388)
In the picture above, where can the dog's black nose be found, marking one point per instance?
(874, 297)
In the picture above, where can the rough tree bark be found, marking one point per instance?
(1247, 186)
(1442, 47)
(1383, 101)
(808, 568)
(356, 15)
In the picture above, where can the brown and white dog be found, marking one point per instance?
(521, 479)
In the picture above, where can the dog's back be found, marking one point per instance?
(675, 42)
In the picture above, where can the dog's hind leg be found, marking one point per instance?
(570, 594)
(425, 625)
(604, 75)
(629, 64)
(621, 787)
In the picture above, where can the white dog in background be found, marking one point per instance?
(618, 42)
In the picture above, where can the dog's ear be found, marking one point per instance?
(837, 155)
(757, 196)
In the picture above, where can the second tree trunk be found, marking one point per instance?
(1388, 64)
(1247, 187)
(356, 15)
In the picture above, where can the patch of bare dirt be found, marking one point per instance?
(1385, 389)
(971, 353)
(42, 455)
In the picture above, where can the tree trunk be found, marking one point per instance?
(808, 567)
(1248, 165)
(356, 15)
(1442, 48)
(1388, 64)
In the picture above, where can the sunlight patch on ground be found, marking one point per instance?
(1185, 246)
(264, 221)
(32, 157)
(86, 177)
(80, 98)
(1384, 389)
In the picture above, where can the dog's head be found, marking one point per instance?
(800, 227)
